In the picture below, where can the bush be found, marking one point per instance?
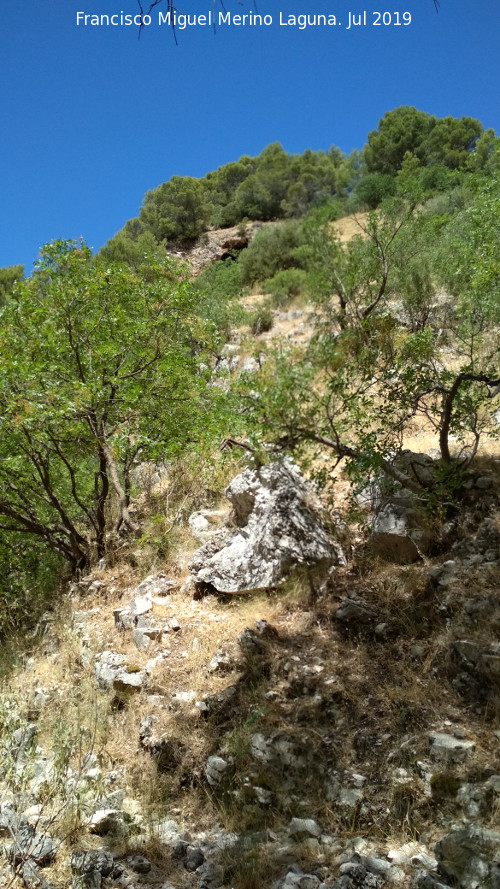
(29, 579)
(372, 189)
(262, 320)
(221, 279)
(272, 249)
(218, 286)
(285, 284)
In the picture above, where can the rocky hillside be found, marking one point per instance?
(258, 479)
(281, 702)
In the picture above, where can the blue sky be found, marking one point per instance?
(92, 117)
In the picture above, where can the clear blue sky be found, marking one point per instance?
(92, 117)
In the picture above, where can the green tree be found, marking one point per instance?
(399, 131)
(176, 211)
(351, 281)
(357, 387)
(449, 141)
(271, 249)
(132, 248)
(100, 367)
(9, 276)
(373, 188)
(273, 185)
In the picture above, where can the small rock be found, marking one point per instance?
(468, 856)
(174, 624)
(211, 875)
(40, 698)
(424, 860)
(32, 878)
(168, 832)
(382, 630)
(123, 618)
(138, 863)
(264, 796)
(9, 821)
(304, 826)
(106, 821)
(184, 697)
(140, 605)
(300, 881)
(417, 652)
(352, 613)
(449, 748)
(112, 670)
(142, 637)
(215, 768)
(155, 585)
(28, 843)
(194, 858)
(199, 526)
(90, 861)
(219, 662)
(349, 797)
(23, 737)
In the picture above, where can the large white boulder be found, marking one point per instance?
(278, 525)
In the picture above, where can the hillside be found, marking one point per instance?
(250, 530)
(339, 730)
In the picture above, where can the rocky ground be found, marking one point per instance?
(332, 728)
(276, 700)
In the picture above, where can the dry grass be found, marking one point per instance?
(361, 703)
(350, 226)
(379, 696)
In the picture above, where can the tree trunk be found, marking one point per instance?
(124, 516)
(102, 491)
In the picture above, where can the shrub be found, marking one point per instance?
(271, 250)
(285, 284)
(262, 320)
(372, 189)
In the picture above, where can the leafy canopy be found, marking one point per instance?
(100, 367)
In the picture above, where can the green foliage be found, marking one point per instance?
(451, 141)
(285, 284)
(262, 320)
(485, 157)
(132, 246)
(217, 287)
(364, 377)
(273, 185)
(468, 259)
(270, 250)
(102, 366)
(176, 211)
(9, 276)
(277, 185)
(350, 281)
(437, 178)
(29, 578)
(372, 189)
(399, 131)
(447, 141)
(222, 279)
(106, 361)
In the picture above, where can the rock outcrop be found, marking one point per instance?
(278, 525)
(400, 528)
(218, 244)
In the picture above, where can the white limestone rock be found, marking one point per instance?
(278, 526)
